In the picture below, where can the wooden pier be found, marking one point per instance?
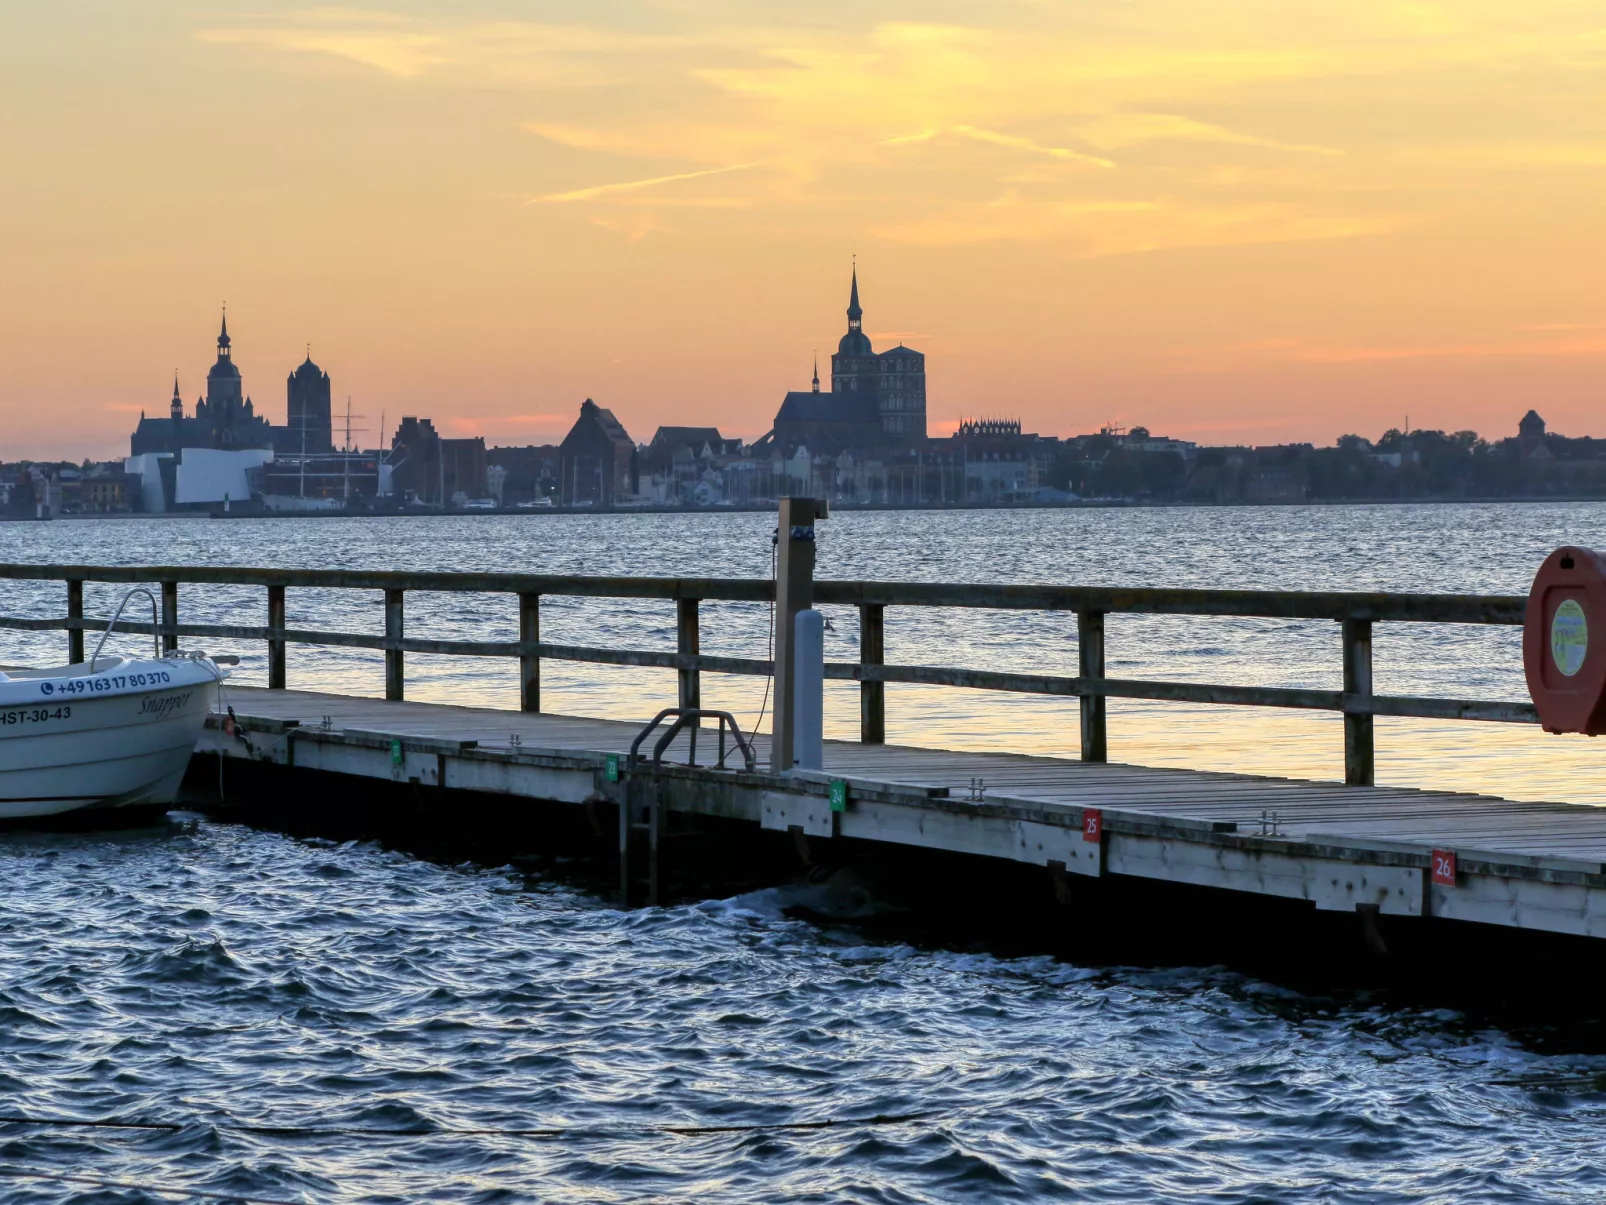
(1352, 847)
(1401, 852)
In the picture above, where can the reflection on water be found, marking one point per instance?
(212, 976)
(1491, 548)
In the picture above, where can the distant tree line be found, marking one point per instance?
(1418, 464)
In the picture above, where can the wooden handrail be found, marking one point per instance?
(1377, 606)
(1356, 611)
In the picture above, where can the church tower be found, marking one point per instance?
(224, 396)
(308, 411)
(854, 371)
(229, 416)
(887, 390)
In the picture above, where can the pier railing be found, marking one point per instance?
(1356, 613)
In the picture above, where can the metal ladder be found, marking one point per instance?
(643, 814)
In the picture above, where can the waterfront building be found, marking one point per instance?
(524, 475)
(598, 460)
(309, 422)
(688, 465)
(108, 489)
(876, 398)
(427, 469)
(1531, 436)
(225, 418)
(888, 388)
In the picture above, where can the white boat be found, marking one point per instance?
(109, 732)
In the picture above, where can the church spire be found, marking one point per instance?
(223, 335)
(816, 372)
(855, 342)
(176, 407)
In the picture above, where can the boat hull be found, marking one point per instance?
(121, 737)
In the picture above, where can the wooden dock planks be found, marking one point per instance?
(1536, 865)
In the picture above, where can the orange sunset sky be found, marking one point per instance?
(1241, 221)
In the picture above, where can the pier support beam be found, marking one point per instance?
(75, 611)
(872, 695)
(794, 592)
(276, 641)
(529, 662)
(1090, 664)
(642, 815)
(394, 677)
(1359, 758)
(688, 643)
(169, 617)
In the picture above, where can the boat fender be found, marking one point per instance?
(231, 727)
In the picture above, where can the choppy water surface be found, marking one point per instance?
(205, 973)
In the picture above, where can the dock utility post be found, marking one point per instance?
(794, 592)
(808, 691)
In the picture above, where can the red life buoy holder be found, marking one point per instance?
(1564, 641)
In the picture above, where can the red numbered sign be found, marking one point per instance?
(1444, 867)
(1092, 824)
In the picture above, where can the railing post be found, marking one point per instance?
(169, 617)
(1090, 664)
(688, 642)
(1360, 768)
(75, 611)
(872, 695)
(393, 637)
(276, 641)
(530, 662)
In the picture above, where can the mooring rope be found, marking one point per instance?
(678, 1131)
(1537, 1083)
(775, 544)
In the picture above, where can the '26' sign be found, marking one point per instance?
(1444, 867)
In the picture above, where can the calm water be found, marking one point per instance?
(208, 974)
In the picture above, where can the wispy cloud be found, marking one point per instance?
(371, 39)
(1019, 143)
(1114, 130)
(603, 190)
(1257, 126)
(1097, 228)
(1248, 355)
(1517, 157)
